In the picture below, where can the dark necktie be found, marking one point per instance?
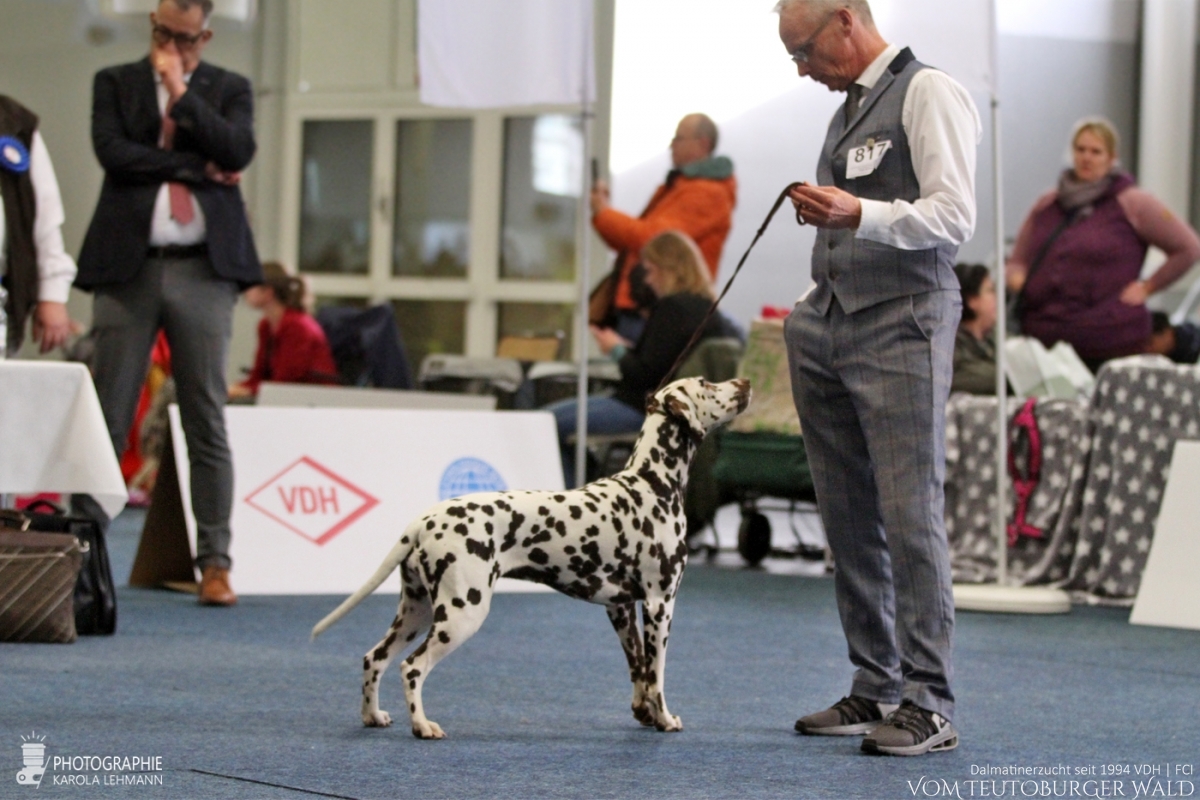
(853, 99)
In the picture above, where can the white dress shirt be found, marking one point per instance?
(56, 269)
(164, 229)
(943, 128)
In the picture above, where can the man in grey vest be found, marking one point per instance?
(870, 348)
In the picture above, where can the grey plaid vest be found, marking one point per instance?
(859, 272)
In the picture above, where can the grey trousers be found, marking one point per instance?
(871, 389)
(187, 299)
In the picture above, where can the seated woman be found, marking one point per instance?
(291, 345)
(676, 275)
(975, 343)
(1079, 254)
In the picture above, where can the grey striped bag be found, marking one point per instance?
(38, 572)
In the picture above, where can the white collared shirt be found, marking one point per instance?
(164, 229)
(56, 269)
(943, 129)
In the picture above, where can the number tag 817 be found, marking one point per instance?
(864, 159)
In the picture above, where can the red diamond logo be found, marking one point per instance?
(311, 500)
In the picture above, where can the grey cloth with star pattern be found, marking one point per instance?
(971, 489)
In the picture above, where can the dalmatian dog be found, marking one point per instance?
(615, 541)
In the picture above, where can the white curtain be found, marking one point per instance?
(485, 53)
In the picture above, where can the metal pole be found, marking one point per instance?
(584, 249)
(1001, 518)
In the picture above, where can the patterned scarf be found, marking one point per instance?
(1074, 193)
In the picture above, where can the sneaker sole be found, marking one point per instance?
(840, 730)
(938, 743)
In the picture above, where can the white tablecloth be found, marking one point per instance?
(52, 434)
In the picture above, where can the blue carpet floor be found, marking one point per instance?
(239, 704)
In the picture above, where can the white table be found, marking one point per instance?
(52, 434)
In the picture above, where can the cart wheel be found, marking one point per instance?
(754, 537)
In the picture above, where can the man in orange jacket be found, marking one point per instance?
(697, 199)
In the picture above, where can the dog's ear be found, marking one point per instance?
(680, 405)
(653, 406)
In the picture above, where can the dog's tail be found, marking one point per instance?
(398, 553)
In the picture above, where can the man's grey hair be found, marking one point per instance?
(705, 128)
(206, 6)
(861, 8)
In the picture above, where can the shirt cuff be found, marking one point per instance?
(875, 220)
(55, 290)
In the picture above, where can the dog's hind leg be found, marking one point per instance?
(624, 620)
(413, 616)
(454, 622)
(656, 621)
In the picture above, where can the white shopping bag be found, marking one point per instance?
(1034, 371)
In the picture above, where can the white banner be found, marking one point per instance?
(487, 54)
(322, 494)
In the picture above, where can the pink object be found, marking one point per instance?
(1025, 484)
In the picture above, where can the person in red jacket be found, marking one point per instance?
(696, 199)
(292, 348)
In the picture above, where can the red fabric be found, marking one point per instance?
(700, 207)
(298, 353)
(131, 459)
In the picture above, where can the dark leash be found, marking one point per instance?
(687, 350)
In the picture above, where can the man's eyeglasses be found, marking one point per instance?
(802, 53)
(164, 36)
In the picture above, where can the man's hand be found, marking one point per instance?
(826, 206)
(169, 65)
(223, 177)
(599, 197)
(1135, 294)
(607, 338)
(51, 325)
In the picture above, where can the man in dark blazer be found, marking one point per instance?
(170, 247)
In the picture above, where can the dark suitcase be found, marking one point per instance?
(95, 596)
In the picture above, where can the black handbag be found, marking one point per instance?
(95, 597)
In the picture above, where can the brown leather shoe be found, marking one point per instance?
(215, 589)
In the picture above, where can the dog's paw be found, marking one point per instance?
(377, 719)
(643, 715)
(671, 724)
(428, 730)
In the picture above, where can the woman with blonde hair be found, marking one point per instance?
(675, 273)
(1078, 258)
(292, 347)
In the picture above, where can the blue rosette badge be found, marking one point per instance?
(14, 156)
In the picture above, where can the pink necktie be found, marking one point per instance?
(181, 199)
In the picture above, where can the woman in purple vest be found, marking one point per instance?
(1078, 257)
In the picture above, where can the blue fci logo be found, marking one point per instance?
(467, 476)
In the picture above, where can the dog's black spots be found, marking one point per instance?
(539, 556)
(487, 509)
(458, 602)
(558, 498)
(617, 525)
(474, 597)
(510, 538)
(561, 527)
(569, 550)
(430, 525)
(443, 637)
(412, 675)
(592, 531)
(485, 551)
(411, 636)
(366, 663)
(592, 507)
(412, 708)
(461, 529)
(487, 526)
(575, 511)
(445, 525)
(537, 538)
(439, 614)
(503, 506)
(438, 535)
(543, 511)
(592, 551)
(457, 511)
(494, 574)
(549, 577)
(472, 506)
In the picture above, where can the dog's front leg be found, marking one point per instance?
(656, 620)
(624, 621)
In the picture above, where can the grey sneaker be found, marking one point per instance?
(911, 731)
(849, 716)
